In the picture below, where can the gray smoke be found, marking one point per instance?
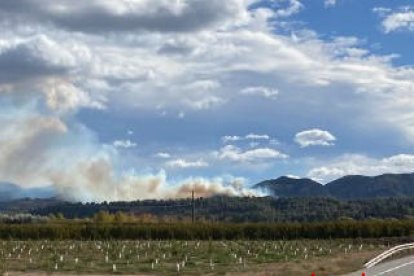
(42, 150)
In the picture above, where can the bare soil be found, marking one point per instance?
(330, 266)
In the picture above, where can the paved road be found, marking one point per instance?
(400, 267)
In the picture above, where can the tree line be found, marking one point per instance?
(80, 230)
(240, 209)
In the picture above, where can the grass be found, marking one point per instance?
(187, 257)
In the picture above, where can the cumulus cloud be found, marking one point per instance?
(236, 154)
(31, 58)
(286, 8)
(64, 96)
(262, 91)
(314, 137)
(128, 64)
(396, 20)
(184, 164)
(123, 15)
(57, 58)
(126, 144)
(40, 64)
(355, 164)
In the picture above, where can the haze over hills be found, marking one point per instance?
(356, 197)
(347, 187)
(9, 192)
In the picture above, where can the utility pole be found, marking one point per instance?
(192, 207)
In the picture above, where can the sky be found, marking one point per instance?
(135, 99)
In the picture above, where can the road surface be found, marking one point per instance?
(400, 267)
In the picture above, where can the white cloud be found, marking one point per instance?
(205, 103)
(126, 144)
(163, 155)
(286, 8)
(330, 3)
(227, 139)
(314, 137)
(38, 64)
(397, 20)
(64, 96)
(189, 65)
(254, 136)
(235, 154)
(96, 16)
(262, 91)
(354, 164)
(184, 164)
(193, 76)
(250, 136)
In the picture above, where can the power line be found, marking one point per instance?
(193, 207)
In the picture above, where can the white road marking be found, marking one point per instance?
(394, 268)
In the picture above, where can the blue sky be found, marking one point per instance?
(111, 100)
(356, 18)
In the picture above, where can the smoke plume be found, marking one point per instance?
(96, 181)
(38, 150)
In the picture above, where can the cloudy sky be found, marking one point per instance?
(124, 99)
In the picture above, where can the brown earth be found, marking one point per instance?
(332, 266)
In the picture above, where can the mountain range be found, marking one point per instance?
(347, 187)
(9, 192)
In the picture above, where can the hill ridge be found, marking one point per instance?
(346, 187)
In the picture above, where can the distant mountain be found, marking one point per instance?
(292, 187)
(387, 185)
(9, 192)
(27, 205)
(348, 187)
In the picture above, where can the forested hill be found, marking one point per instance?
(348, 187)
(228, 209)
(294, 200)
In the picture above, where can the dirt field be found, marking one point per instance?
(329, 266)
